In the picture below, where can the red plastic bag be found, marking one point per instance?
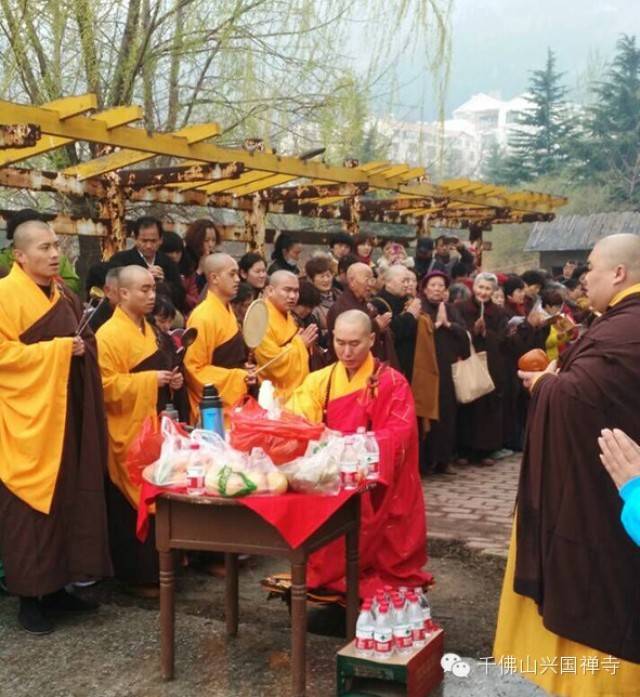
(282, 439)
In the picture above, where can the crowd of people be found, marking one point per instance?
(427, 309)
(354, 338)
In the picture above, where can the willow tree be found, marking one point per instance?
(261, 68)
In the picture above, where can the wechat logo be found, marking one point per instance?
(452, 663)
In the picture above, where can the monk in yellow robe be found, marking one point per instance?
(283, 338)
(53, 527)
(569, 615)
(355, 392)
(218, 356)
(136, 376)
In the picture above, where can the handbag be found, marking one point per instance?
(471, 377)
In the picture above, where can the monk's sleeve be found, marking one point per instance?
(307, 400)
(33, 409)
(291, 368)
(230, 382)
(396, 436)
(124, 392)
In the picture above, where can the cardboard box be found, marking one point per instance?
(415, 675)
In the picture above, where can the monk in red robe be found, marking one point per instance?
(358, 391)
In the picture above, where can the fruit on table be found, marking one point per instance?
(533, 361)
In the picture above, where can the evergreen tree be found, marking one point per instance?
(540, 143)
(610, 146)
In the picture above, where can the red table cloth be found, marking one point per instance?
(295, 516)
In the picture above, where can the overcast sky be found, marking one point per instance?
(497, 42)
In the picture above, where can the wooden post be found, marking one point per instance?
(112, 208)
(475, 237)
(255, 225)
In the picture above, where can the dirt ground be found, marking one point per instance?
(464, 598)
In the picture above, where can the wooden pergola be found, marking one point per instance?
(251, 180)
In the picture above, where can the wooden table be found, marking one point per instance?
(224, 525)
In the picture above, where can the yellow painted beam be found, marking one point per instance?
(394, 171)
(83, 128)
(65, 108)
(413, 173)
(71, 106)
(118, 116)
(130, 156)
(227, 184)
(267, 183)
(371, 166)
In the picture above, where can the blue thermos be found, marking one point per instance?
(211, 417)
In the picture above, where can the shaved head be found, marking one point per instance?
(614, 266)
(111, 285)
(136, 291)
(277, 278)
(218, 262)
(353, 338)
(283, 290)
(36, 250)
(623, 249)
(358, 269)
(130, 276)
(111, 277)
(25, 234)
(361, 281)
(223, 279)
(354, 318)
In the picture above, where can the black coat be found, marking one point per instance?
(404, 327)
(172, 279)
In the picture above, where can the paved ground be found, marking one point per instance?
(475, 506)
(116, 652)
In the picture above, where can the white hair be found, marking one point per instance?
(487, 277)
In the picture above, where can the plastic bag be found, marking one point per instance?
(255, 474)
(319, 471)
(170, 466)
(144, 449)
(283, 439)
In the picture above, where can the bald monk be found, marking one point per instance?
(219, 355)
(571, 584)
(53, 527)
(361, 285)
(359, 391)
(287, 372)
(136, 377)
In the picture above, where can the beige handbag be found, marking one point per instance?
(471, 377)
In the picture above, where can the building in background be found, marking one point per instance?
(456, 147)
(573, 236)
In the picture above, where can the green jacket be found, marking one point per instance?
(67, 272)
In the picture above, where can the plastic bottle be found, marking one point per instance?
(402, 637)
(383, 634)
(373, 456)
(211, 411)
(364, 631)
(359, 440)
(429, 625)
(349, 466)
(195, 471)
(171, 412)
(416, 620)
